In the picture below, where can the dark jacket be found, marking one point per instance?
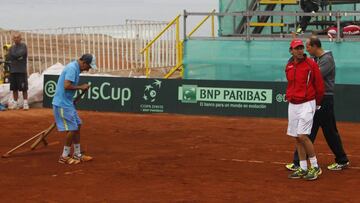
(327, 67)
(18, 58)
(305, 82)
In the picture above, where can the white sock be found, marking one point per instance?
(66, 151)
(77, 151)
(25, 101)
(303, 165)
(313, 162)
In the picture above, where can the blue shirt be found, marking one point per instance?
(64, 98)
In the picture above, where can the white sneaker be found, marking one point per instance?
(13, 105)
(26, 106)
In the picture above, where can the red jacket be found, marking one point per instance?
(305, 82)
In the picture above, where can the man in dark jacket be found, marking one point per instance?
(325, 117)
(18, 72)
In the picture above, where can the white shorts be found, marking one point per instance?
(301, 118)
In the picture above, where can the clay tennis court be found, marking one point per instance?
(169, 158)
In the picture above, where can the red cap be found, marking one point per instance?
(295, 43)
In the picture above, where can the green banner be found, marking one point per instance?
(236, 98)
(193, 93)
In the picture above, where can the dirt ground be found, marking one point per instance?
(169, 158)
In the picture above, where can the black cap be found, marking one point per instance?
(89, 59)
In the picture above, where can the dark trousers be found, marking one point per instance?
(308, 7)
(325, 118)
(18, 82)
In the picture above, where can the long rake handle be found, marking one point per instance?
(42, 137)
(22, 144)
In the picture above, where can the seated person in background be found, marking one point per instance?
(308, 6)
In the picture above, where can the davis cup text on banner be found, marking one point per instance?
(104, 91)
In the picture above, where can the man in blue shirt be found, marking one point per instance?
(66, 117)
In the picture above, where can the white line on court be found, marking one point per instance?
(324, 154)
(274, 162)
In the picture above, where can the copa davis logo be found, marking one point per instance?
(151, 93)
(105, 91)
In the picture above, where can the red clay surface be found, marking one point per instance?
(169, 158)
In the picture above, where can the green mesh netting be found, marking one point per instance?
(259, 60)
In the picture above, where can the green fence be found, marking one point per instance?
(218, 59)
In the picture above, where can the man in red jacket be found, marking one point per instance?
(305, 90)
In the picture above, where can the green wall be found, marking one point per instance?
(259, 60)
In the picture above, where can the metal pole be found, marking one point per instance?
(147, 62)
(178, 41)
(113, 49)
(213, 25)
(157, 49)
(174, 45)
(161, 43)
(51, 49)
(108, 50)
(185, 16)
(76, 40)
(338, 18)
(63, 46)
(122, 48)
(136, 45)
(82, 43)
(152, 47)
(117, 49)
(69, 46)
(103, 50)
(181, 61)
(38, 46)
(57, 46)
(98, 48)
(143, 44)
(166, 53)
(45, 53)
(87, 34)
(1, 42)
(127, 46)
(93, 40)
(131, 44)
(247, 26)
